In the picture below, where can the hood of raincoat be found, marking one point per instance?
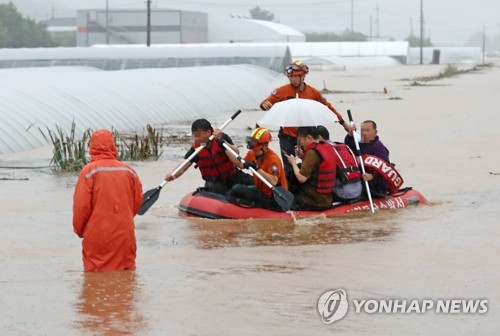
(102, 146)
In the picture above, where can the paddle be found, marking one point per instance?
(360, 162)
(151, 196)
(283, 197)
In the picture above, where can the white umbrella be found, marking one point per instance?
(298, 112)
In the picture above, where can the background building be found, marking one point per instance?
(129, 26)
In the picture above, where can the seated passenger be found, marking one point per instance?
(348, 186)
(317, 173)
(370, 144)
(267, 163)
(216, 168)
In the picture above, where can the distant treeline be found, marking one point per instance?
(332, 37)
(17, 31)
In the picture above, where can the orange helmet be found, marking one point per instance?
(259, 136)
(296, 68)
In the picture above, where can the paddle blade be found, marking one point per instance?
(283, 197)
(150, 197)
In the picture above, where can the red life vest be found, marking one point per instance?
(347, 163)
(327, 170)
(384, 169)
(214, 163)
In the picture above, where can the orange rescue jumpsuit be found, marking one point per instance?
(288, 92)
(107, 196)
(272, 165)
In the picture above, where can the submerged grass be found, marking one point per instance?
(69, 153)
(140, 147)
(450, 71)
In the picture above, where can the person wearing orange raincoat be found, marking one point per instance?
(107, 196)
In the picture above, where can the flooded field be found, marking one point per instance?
(262, 277)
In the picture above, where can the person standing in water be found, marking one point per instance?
(107, 196)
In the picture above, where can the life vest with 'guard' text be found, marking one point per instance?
(384, 169)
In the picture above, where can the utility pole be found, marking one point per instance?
(421, 31)
(378, 23)
(148, 25)
(107, 22)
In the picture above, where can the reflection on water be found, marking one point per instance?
(107, 304)
(306, 231)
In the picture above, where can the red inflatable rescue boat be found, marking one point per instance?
(214, 206)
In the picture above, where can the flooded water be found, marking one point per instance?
(261, 277)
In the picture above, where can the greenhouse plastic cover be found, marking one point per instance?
(127, 100)
(120, 57)
(194, 50)
(328, 49)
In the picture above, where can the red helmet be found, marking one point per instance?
(259, 136)
(296, 68)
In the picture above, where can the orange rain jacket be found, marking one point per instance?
(271, 164)
(107, 196)
(288, 92)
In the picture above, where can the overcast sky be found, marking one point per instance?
(449, 22)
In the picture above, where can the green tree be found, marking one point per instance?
(259, 14)
(349, 35)
(322, 37)
(4, 37)
(19, 32)
(415, 41)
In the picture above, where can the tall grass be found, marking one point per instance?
(139, 148)
(450, 71)
(69, 154)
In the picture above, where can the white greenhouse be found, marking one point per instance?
(238, 30)
(123, 100)
(350, 55)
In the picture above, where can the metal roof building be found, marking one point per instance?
(129, 26)
(123, 100)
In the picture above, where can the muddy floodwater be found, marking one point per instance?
(263, 277)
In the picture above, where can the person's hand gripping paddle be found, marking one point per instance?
(151, 196)
(283, 197)
(360, 161)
